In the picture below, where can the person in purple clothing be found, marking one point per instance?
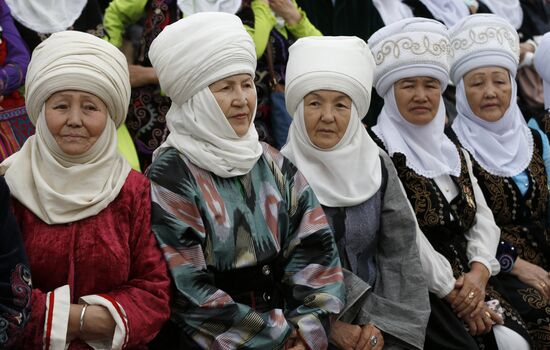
(15, 126)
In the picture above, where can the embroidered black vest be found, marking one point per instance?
(521, 218)
(444, 224)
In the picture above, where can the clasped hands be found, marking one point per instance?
(467, 300)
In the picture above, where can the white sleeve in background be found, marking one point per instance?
(120, 338)
(58, 304)
(437, 269)
(484, 236)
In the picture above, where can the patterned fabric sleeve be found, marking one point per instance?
(15, 283)
(12, 74)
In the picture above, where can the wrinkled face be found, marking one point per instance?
(326, 115)
(418, 99)
(76, 120)
(488, 91)
(236, 96)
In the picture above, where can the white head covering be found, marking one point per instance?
(392, 10)
(448, 11)
(510, 10)
(59, 188)
(349, 173)
(481, 40)
(189, 7)
(198, 127)
(543, 67)
(504, 147)
(414, 47)
(46, 16)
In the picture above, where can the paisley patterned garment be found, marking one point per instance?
(445, 224)
(209, 225)
(15, 277)
(522, 220)
(146, 119)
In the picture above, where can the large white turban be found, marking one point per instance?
(338, 63)
(199, 50)
(72, 60)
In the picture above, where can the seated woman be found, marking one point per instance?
(15, 277)
(507, 161)
(251, 253)
(412, 70)
(356, 182)
(99, 280)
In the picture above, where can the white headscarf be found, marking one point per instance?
(46, 16)
(542, 66)
(56, 187)
(392, 10)
(448, 11)
(189, 7)
(412, 48)
(350, 172)
(508, 9)
(198, 127)
(505, 147)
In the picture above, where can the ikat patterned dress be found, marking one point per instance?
(267, 220)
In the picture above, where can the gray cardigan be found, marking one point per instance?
(398, 302)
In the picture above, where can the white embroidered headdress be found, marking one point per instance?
(483, 40)
(414, 43)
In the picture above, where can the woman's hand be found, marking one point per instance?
(353, 337)
(471, 288)
(483, 321)
(294, 342)
(371, 338)
(97, 324)
(533, 275)
(141, 76)
(287, 10)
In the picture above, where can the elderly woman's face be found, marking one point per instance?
(488, 91)
(76, 120)
(326, 115)
(236, 96)
(418, 99)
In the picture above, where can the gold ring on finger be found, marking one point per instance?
(471, 295)
(542, 284)
(488, 315)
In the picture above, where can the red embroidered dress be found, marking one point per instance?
(112, 258)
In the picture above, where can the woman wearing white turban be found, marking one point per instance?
(509, 161)
(360, 192)
(412, 58)
(250, 251)
(98, 277)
